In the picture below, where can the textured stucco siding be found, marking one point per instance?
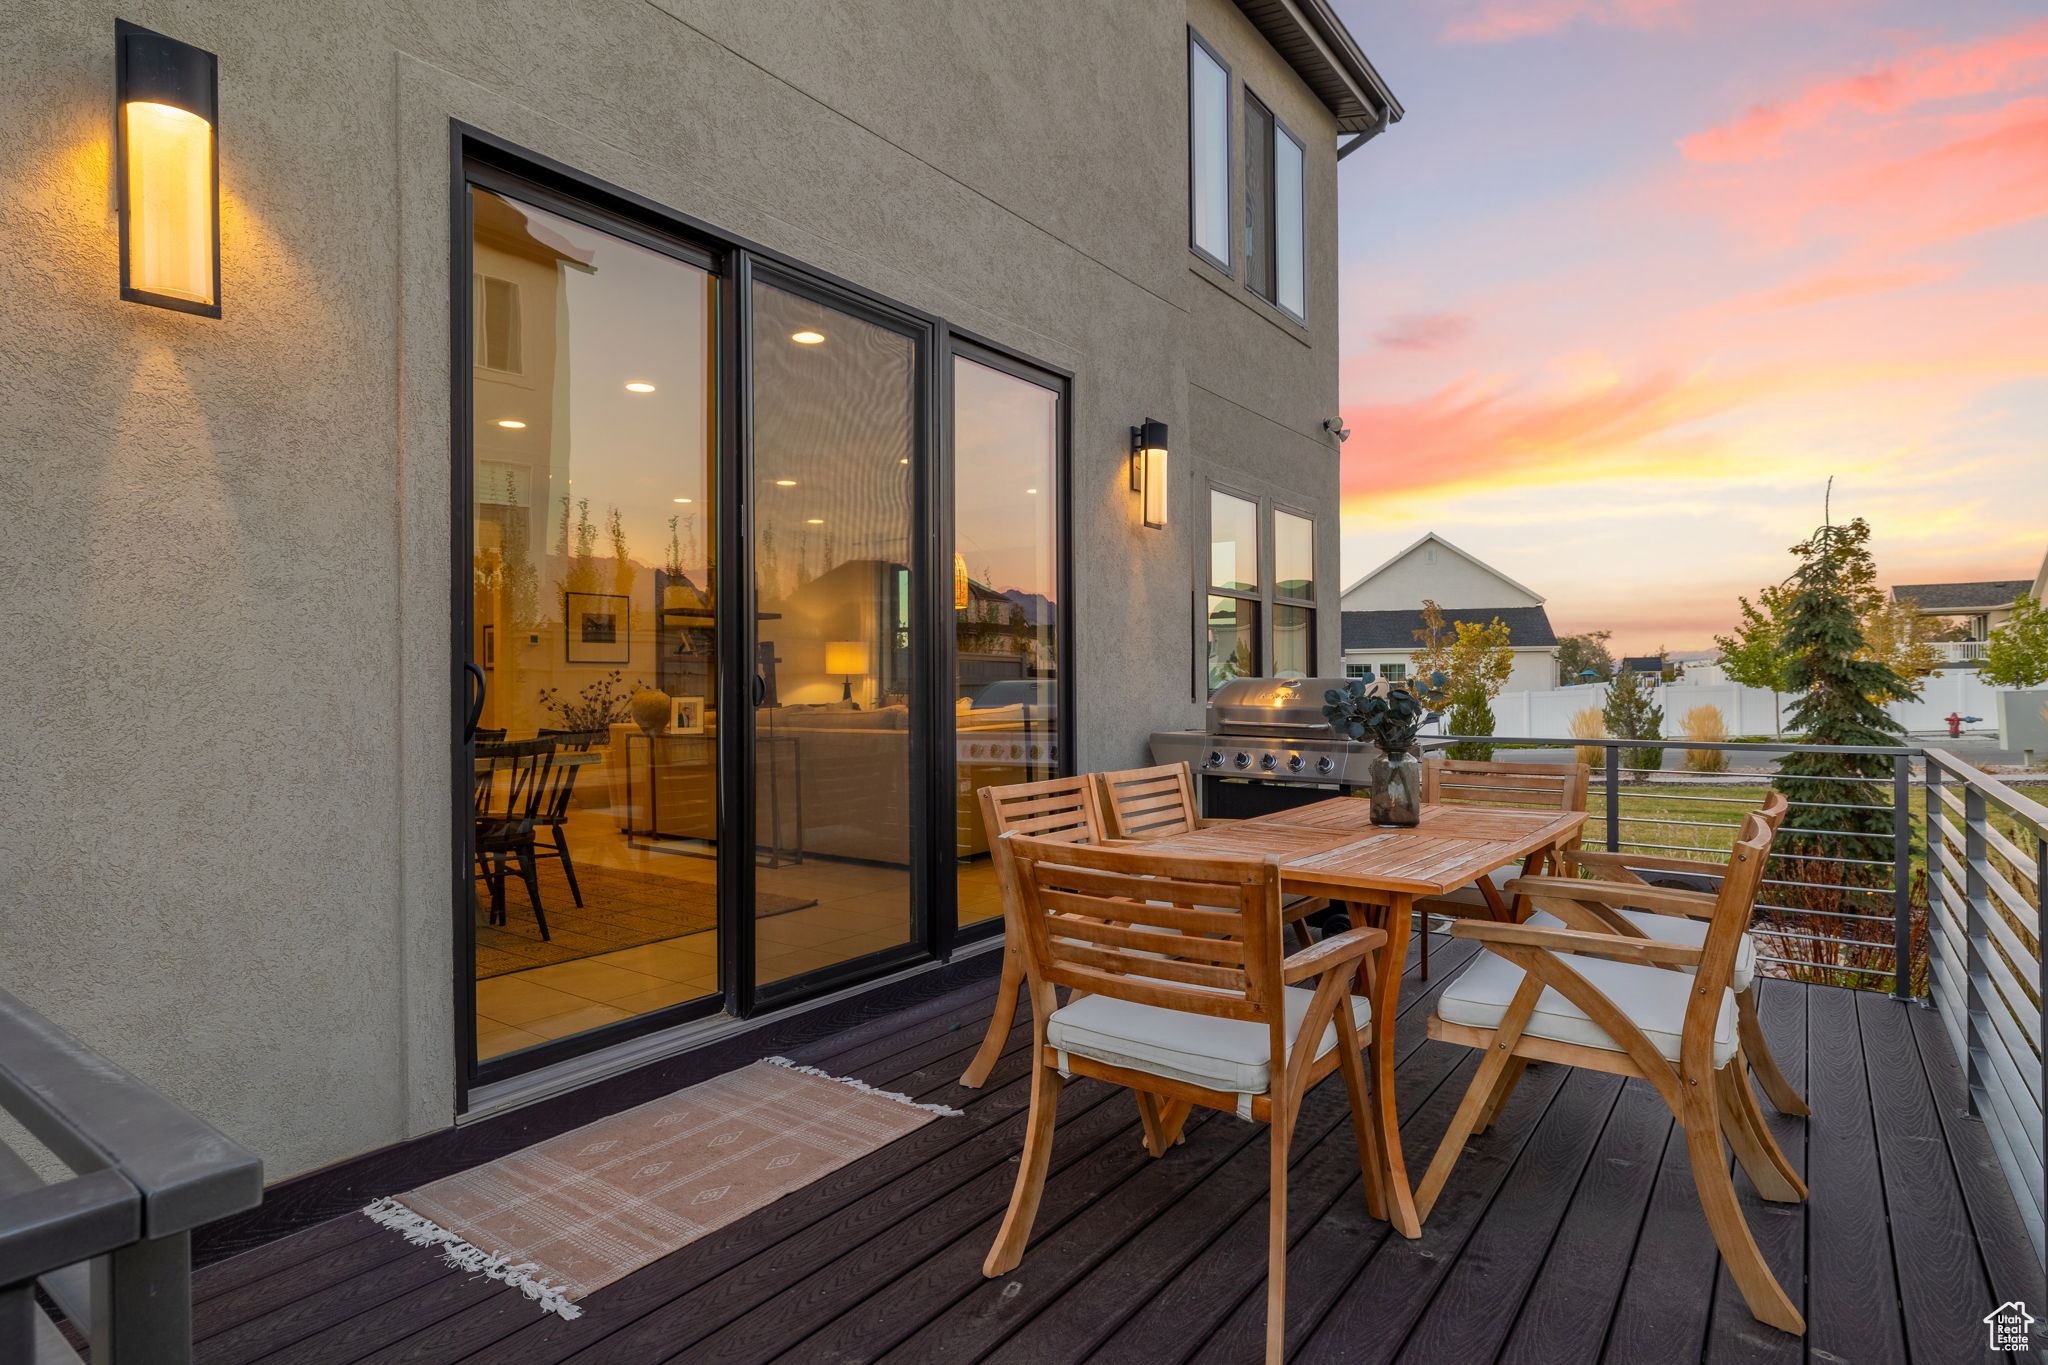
(224, 850)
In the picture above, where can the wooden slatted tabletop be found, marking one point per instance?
(1332, 849)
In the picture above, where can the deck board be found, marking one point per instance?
(1569, 1232)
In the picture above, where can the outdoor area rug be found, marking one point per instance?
(621, 909)
(572, 1214)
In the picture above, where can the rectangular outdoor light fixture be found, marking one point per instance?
(1148, 470)
(167, 165)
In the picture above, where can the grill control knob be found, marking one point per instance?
(1269, 761)
(1214, 760)
(1295, 763)
(1326, 765)
(1243, 759)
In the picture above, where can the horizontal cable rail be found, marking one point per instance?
(142, 1174)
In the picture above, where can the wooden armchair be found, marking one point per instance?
(1583, 993)
(1153, 803)
(1063, 809)
(1523, 786)
(1188, 1002)
(1682, 917)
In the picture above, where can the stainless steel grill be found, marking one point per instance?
(1266, 746)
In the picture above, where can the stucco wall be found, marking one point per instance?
(224, 853)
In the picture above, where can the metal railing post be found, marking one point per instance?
(142, 1302)
(1902, 878)
(1613, 799)
(2041, 979)
(1975, 1020)
(1937, 900)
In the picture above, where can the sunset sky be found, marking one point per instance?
(1634, 277)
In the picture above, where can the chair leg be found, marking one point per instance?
(568, 865)
(1352, 1064)
(1276, 1239)
(1503, 1091)
(1423, 925)
(1173, 1121)
(1148, 1119)
(496, 877)
(1751, 1031)
(1742, 1123)
(529, 872)
(1016, 1230)
(1479, 1097)
(999, 1023)
(1760, 1288)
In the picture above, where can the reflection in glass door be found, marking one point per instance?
(592, 613)
(1006, 603)
(836, 793)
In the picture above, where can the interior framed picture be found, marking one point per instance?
(490, 648)
(686, 715)
(597, 627)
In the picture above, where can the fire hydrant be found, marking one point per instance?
(1957, 722)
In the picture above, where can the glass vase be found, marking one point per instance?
(1396, 780)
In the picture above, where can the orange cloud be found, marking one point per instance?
(2010, 61)
(1504, 21)
(1424, 331)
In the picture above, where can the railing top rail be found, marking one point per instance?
(95, 1116)
(1556, 742)
(2024, 807)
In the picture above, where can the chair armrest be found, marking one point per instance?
(1333, 951)
(1643, 951)
(1632, 895)
(1206, 821)
(1598, 860)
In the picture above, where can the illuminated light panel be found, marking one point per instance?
(511, 424)
(639, 386)
(785, 483)
(170, 201)
(807, 338)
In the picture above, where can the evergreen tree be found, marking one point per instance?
(1631, 715)
(1470, 715)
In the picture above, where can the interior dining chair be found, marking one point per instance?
(1584, 994)
(509, 802)
(1157, 802)
(1066, 809)
(1188, 1002)
(555, 802)
(1519, 786)
(1690, 926)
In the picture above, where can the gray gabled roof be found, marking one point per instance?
(1961, 596)
(1642, 663)
(1528, 627)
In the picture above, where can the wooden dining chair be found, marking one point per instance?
(1584, 993)
(1066, 809)
(1515, 786)
(1690, 926)
(1188, 1002)
(1158, 802)
(555, 802)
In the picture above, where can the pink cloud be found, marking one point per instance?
(2009, 61)
(1502, 21)
(1424, 331)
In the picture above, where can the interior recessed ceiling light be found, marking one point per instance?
(814, 521)
(785, 483)
(510, 424)
(904, 460)
(682, 499)
(639, 386)
(807, 337)
(1031, 490)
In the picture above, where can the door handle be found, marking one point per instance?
(474, 680)
(760, 690)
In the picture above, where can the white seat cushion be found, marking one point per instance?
(1222, 1054)
(1653, 999)
(1676, 929)
(1470, 894)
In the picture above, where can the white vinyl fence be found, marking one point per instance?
(1745, 710)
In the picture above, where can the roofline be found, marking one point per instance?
(1329, 60)
(1466, 555)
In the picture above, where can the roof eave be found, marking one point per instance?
(1314, 41)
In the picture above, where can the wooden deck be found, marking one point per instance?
(1569, 1233)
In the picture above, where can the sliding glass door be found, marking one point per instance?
(837, 786)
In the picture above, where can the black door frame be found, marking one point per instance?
(483, 159)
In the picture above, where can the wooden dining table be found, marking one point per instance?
(1376, 873)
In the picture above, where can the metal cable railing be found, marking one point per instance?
(110, 1244)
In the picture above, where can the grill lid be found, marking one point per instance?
(1271, 706)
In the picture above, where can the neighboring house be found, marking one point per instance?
(1979, 608)
(1383, 611)
(1652, 664)
(528, 319)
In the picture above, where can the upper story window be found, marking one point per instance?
(497, 337)
(1208, 153)
(1294, 592)
(1273, 209)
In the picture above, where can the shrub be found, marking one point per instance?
(1632, 714)
(1703, 725)
(1470, 715)
(1589, 724)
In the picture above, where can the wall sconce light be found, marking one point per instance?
(849, 659)
(1148, 470)
(167, 162)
